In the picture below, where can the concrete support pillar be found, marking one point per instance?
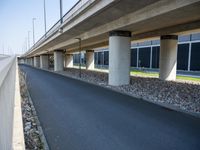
(36, 61)
(119, 58)
(69, 60)
(28, 61)
(58, 60)
(168, 57)
(31, 61)
(90, 59)
(44, 61)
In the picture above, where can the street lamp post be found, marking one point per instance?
(45, 23)
(61, 19)
(33, 31)
(3, 49)
(25, 44)
(28, 39)
(79, 39)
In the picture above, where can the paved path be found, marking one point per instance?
(80, 116)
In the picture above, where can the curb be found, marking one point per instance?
(42, 135)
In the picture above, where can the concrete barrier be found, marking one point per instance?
(11, 127)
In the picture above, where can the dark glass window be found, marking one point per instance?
(182, 56)
(195, 57)
(100, 58)
(144, 57)
(106, 58)
(83, 58)
(76, 58)
(96, 58)
(155, 56)
(134, 57)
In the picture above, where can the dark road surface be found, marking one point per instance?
(80, 116)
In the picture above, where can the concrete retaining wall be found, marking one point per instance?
(11, 128)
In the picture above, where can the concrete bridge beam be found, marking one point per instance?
(58, 60)
(168, 57)
(44, 61)
(69, 60)
(90, 59)
(119, 57)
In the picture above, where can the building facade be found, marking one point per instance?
(146, 54)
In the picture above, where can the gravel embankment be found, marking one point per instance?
(179, 95)
(32, 130)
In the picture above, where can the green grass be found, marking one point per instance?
(188, 78)
(144, 73)
(155, 74)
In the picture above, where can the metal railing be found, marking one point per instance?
(74, 11)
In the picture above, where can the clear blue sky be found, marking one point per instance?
(16, 20)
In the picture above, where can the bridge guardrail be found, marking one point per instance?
(75, 10)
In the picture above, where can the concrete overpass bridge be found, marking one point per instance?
(117, 23)
(98, 118)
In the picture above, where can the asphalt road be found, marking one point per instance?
(80, 116)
